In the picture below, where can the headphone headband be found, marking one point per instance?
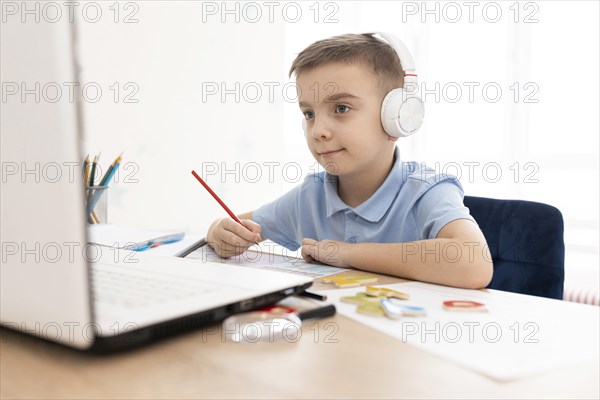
(406, 60)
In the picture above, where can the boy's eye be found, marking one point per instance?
(341, 109)
(308, 114)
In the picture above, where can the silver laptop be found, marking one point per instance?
(54, 285)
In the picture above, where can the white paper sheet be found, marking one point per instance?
(268, 260)
(519, 336)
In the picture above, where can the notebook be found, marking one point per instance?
(53, 283)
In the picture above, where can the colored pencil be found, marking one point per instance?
(218, 199)
(111, 170)
(86, 170)
(93, 172)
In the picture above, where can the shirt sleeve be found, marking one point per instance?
(279, 219)
(441, 204)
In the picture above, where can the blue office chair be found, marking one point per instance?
(526, 242)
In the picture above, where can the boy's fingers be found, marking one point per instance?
(305, 255)
(241, 231)
(253, 227)
(233, 239)
(308, 242)
(307, 258)
(309, 249)
(225, 241)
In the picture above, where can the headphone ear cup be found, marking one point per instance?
(402, 114)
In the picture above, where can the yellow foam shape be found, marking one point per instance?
(371, 309)
(360, 278)
(349, 280)
(381, 291)
(360, 299)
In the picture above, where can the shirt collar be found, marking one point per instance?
(377, 205)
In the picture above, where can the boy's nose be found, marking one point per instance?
(320, 130)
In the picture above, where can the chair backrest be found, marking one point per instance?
(526, 242)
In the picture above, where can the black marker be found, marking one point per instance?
(313, 295)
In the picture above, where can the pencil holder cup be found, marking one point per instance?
(97, 204)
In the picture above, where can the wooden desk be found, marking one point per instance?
(353, 362)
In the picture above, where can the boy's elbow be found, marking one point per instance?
(479, 275)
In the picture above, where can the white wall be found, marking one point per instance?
(169, 54)
(176, 47)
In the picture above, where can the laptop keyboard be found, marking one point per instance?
(136, 289)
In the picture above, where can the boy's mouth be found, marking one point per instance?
(330, 153)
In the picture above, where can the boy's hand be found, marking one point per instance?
(330, 252)
(228, 238)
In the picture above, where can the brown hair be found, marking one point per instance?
(364, 49)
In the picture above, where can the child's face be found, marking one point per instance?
(342, 105)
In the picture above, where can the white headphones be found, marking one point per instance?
(402, 113)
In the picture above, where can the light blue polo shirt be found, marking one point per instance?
(413, 203)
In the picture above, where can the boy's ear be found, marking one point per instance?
(392, 138)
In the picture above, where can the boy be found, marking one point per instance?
(368, 210)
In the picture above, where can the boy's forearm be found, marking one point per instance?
(440, 261)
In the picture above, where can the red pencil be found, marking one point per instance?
(213, 194)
